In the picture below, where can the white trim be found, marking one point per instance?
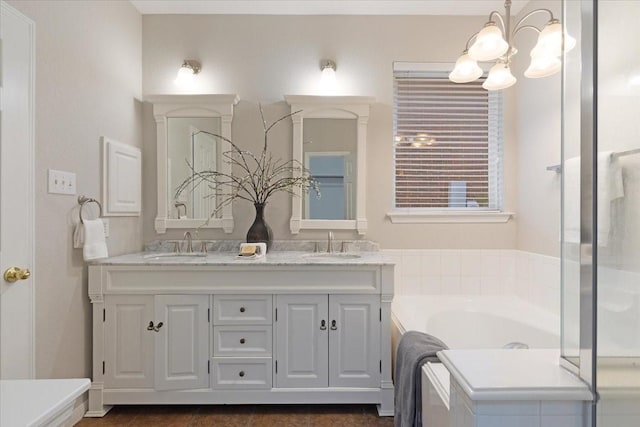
(356, 107)
(165, 106)
(413, 216)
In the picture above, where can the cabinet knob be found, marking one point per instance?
(150, 327)
(241, 373)
(242, 310)
(241, 340)
(323, 325)
(333, 325)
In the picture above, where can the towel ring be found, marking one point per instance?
(82, 200)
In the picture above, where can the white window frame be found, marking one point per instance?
(444, 215)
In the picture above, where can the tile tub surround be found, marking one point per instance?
(513, 387)
(532, 277)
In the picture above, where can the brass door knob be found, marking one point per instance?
(14, 274)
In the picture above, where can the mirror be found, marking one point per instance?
(329, 139)
(191, 148)
(329, 149)
(184, 125)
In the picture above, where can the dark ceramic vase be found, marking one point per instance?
(260, 232)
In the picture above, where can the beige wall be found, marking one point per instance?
(88, 84)
(538, 132)
(262, 58)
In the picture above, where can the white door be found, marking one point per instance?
(128, 346)
(302, 341)
(17, 347)
(354, 341)
(181, 342)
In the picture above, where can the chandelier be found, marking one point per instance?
(495, 43)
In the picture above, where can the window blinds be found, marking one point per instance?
(448, 143)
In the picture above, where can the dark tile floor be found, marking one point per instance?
(242, 415)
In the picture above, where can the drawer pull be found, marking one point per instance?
(241, 373)
(323, 325)
(242, 309)
(333, 325)
(242, 340)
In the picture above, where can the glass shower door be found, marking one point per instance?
(618, 213)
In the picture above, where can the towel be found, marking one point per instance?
(610, 188)
(78, 235)
(415, 349)
(95, 245)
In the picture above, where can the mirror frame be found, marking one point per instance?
(331, 107)
(168, 106)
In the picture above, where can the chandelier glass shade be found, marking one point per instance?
(495, 43)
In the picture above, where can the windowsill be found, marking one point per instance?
(412, 216)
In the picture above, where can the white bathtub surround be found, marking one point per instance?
(39, 403)
(533, 277)
(477, 322)
(492, 388)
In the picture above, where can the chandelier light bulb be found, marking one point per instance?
(466, 70)
(542, 65)
(550, 39)
(489, 44)
(499, 77)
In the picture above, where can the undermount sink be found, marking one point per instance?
(327, 255)
(175, 255)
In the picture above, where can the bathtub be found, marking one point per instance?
(475, 322)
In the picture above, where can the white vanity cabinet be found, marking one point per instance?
(328, 340)
(158, 342)
(222, 331)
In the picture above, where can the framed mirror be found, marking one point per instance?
(185, 144)
(329, 139)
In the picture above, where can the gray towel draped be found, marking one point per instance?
(415, 349)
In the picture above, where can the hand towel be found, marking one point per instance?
(78, 235)
(95, 245)
(610, 188)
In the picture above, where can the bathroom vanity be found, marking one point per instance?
(219, 329)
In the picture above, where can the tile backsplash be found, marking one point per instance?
(531, 276)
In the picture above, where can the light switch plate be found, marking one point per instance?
(62, 182)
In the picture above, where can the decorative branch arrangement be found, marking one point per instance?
(259, 177)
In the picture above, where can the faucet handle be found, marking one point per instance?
(177, 247)
(203, 247)
(346, 246)
(316, 246)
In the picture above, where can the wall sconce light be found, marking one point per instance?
(188, 69)
(328, 79)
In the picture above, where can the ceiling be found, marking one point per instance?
(325, 7)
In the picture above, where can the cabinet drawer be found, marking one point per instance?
(242, 340)
(242, 309)
(242, 372)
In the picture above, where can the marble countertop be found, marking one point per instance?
(274, 258)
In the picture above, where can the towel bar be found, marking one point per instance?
(82, 200)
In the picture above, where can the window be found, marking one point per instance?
(448, 143)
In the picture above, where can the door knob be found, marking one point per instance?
(14, 274)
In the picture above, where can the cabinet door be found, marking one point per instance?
(128, 344)
(354, 341)
(301, 341)
(182, 342)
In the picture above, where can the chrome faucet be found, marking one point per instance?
(187, 237)
(330, 242)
